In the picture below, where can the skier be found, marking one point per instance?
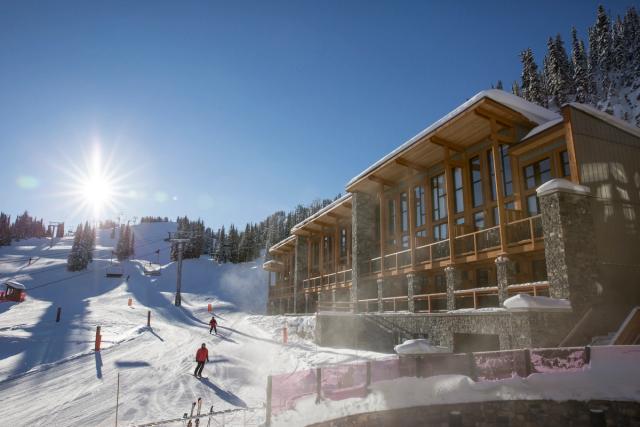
(202, 356)
(213, 323)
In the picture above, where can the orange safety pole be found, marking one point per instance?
(98, 338)
(209, 308)
(285, 334)
(130, 302)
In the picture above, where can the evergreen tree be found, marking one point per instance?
(78, 258)
(581, 76)
(531, 85)
(5, 229)
(557, 72)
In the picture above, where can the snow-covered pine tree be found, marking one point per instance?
(531, 85)
(76, 260)
(124, 243)
(581, 82)
(5, 229)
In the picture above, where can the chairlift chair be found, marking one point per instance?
(14, 292)
(150, 270)
(114, 270)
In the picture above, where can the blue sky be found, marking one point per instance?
(229, 111)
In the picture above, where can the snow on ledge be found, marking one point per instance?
(418, 346)
(560, 184)
(526, 302)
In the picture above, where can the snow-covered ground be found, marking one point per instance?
(50, 376)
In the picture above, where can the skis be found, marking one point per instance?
(198, 413)
(190, 423)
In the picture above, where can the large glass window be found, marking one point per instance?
(439, 196)
(404, 219)
(478, 220)
(537, 173)
(476, 181)
(420, 206)
(564, 161)
(440, 232)
(391, 222)
(343, 243)
(457, 185)
(506, 170)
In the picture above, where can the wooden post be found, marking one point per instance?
(368, 382)
(383, 227)
(98, 339)
(497, 170)
(321, 259)
(130, 302)
(149, 318)
(318, 385)
(58, 313)
(285, 333)
(412, 226)
(269, 387)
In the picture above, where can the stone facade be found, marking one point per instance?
(453, 277)
(300, 269)
(522, 413)
(570, 244)
(504, 272)
(363, 226)
(410, 292)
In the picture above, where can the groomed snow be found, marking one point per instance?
(49, 374)
(613, 375)
(526, 302)
(418, 346)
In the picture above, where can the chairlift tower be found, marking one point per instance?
(53, 225)
(180, 242)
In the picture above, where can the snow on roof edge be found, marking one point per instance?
(533, 112)
(282, 242)
(321, 212)
(541, 128)
(613, 120)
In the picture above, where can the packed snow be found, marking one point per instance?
(51, 375)
(526, 302)
(419, 346)
(612, 375)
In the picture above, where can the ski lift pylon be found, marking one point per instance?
(114, 270)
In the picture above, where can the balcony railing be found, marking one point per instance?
(338, 278)
(520, 232)
(280, 291)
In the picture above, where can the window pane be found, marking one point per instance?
(529, 177)
(457, 183)
(391, 217)
(478, 220)
(532, 204)
(496, 216)
(404, 212)
(545, 171)
(476, 181)
(420, 213)
(439, 197)
(564, 160)
(506, 170)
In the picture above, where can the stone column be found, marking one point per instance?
(333, 299)
(363, 226)
(505, 271)
(453, 277)
(410, 302)
(380, 305)
(569, 242)
(306, 303)
(299, 268)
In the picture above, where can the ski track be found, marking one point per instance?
(49, 371)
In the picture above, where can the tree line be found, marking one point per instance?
(604, 73)
(24, 227)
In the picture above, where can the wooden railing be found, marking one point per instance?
(334, 306)
(429, 298)
(535, 289)
(519, 232)
(337, 278)
(280, 291)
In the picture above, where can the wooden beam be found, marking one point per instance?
(323, 223)
(503, 121)
(347, 205)
(411, 165)
(382, 181)
(571, 146)
(447, 144)
(337, 216)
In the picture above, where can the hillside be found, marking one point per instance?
(51, 373)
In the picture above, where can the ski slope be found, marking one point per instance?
(50, 375)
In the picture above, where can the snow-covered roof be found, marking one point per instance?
(612, 120)
(321, 212)
(526, 302)
(541, 128)
(282, 243)
(531, 111)
(15, 285)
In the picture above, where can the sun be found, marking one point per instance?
(94, 189)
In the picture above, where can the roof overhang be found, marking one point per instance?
(273, 266)
(284, 246)
(338, 212)
(465, 126)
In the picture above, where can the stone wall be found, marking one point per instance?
(363, 232)
(527, 413)
(300, 273)
(380, 331)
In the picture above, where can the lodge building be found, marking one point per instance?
(497, 198)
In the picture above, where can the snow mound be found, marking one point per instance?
(418, 346)
(525, 302)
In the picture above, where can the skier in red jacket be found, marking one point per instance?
(213, 323)
(202, 356)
